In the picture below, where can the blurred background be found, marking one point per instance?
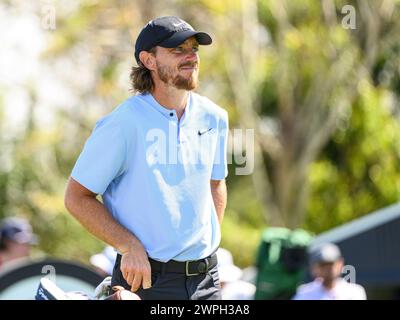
(318, 81)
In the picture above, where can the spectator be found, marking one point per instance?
(16, 239)
(232, 287)
(327, 263)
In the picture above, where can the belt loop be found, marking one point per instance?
(163, 268)
(207, 264)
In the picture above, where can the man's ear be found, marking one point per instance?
(148, 60)
(341, 262)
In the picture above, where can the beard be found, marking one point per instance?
(167, 76)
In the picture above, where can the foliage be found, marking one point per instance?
(359, 170)
(323, 101)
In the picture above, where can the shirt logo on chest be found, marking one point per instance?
(201, 132)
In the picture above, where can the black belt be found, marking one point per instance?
(189, 268)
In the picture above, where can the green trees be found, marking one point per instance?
(311, 70)
(322, 100)
(358, 172)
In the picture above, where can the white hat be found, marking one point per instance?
(327, 252)
(105, 260)
(227, 271)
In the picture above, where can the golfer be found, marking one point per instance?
(159, 163)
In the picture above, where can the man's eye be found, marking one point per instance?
(181, 49)
(178, 49)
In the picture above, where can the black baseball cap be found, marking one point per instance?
(167, 32)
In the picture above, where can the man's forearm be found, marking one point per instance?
(94, 216)
(219, 194)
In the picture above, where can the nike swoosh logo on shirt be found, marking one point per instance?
(203, 132)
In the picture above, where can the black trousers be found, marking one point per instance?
(174, 286)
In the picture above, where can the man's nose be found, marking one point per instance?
(191, 55)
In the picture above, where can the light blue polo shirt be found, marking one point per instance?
(154, 173)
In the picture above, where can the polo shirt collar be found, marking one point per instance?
(165, 111)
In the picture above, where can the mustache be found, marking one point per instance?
(189, 64)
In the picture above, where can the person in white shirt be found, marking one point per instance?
(232, 286)
(327, 263)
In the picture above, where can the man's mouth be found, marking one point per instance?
(188, 67)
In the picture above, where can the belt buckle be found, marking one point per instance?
(187, 270)
(207, 265)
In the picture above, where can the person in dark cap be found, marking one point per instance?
(327, 263)
(159, 162)
(16, 239)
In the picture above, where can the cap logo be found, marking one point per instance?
(178, 24)
(167, 32)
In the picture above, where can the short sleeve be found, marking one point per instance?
(220, 164)
(103, 157)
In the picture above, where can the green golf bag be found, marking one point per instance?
(281, 262)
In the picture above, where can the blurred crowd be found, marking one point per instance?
(325, 263)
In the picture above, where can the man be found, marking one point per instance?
(327, 264)
(16, 239)
(159, 162)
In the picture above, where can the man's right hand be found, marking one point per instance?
(135, 268)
